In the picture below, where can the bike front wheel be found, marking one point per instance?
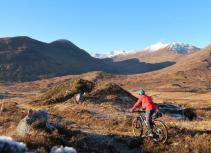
(160, 130)
(137, 127)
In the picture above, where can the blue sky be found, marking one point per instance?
(106, 25)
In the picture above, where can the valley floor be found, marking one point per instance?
(105, 119)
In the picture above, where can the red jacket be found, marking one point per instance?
(145, 102)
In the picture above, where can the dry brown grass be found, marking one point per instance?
(10, 116)
(42, 142)
(106, 118)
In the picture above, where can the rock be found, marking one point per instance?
(79, 97)
(190, 114)
(63, 150)
(36, 120)
(7, 145)
(176, 111)
(41, 115)
(23, 127)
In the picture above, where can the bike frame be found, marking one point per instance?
(143, 120)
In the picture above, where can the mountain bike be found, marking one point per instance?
(159, 129)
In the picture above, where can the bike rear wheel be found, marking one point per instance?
(160, 130)
(137, 127)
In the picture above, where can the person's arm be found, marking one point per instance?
(157, 109)
(138, 103)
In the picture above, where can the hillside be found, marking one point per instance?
(25, 59)
(160, 52)
(191, 73)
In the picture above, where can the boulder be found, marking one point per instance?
(7, 145)
(80, 97)
(36, 120)
(177, 111)
(23, 128)
(63, 150)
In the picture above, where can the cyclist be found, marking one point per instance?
(146, 103)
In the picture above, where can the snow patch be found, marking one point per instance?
(109, 54)
(156, 47)
(182, 47)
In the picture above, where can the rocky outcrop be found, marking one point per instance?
(65, 91)
(36, 120)
(176, 111)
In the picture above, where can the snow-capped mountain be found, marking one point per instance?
(181, 48)
(176, 47)
(159, 52)
(109, 54)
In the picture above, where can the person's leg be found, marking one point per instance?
(149, 120)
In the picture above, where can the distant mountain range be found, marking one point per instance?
(159, 52)
(25, 59)
(179, 48)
